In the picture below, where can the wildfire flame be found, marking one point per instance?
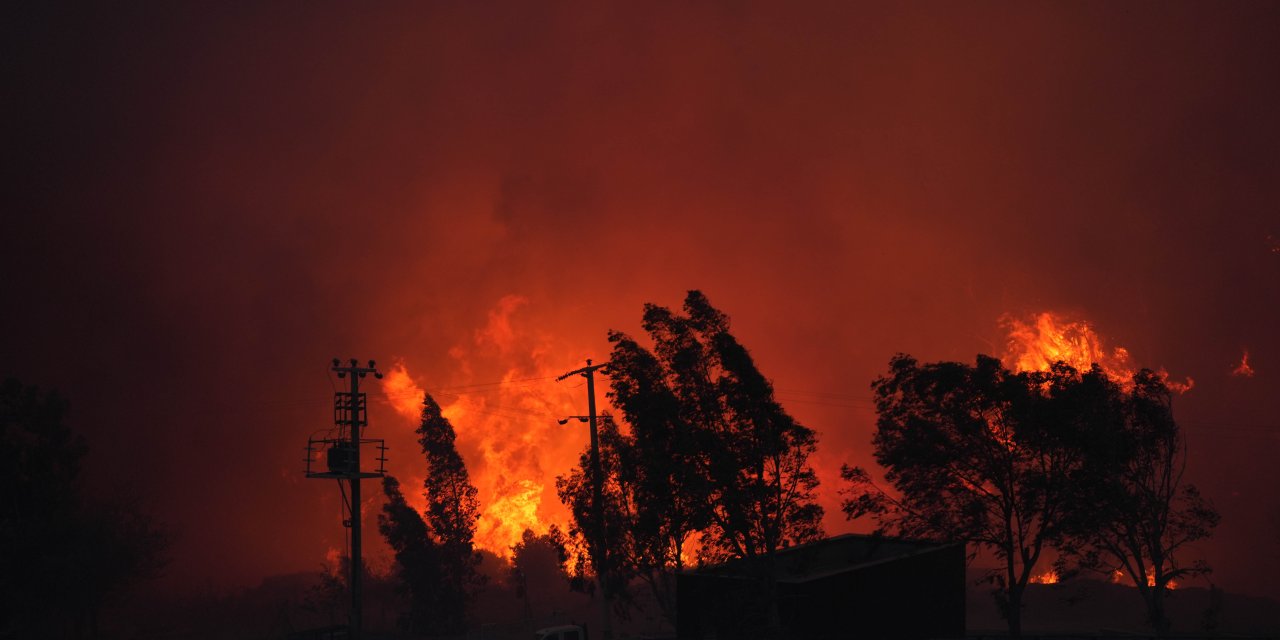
(402, 392)
(1118, 577)
(1047, 338)
(1048, 577)
(506, 425)
(1244, 370)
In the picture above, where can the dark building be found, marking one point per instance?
(843, 587)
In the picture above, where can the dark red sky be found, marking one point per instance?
(205, 204)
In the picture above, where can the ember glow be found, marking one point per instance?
(1119, 577)
(1244, 370)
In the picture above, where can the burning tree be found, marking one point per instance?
(434, 550)
(976, 453)
(710, 454)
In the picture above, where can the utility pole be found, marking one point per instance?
(350, 415)
(597, 493)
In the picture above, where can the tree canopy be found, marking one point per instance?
(418, 558)
(1023, 462)
(537, 572)
(435, 554)
(63, 555)
(1139, 513)
(710, 454)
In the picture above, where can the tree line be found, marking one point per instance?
(703, 465)
(1022, 463)
(64, 555)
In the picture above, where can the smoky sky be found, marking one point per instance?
(205, 203)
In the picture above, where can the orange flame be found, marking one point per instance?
(1048, 338)
(1244, 370)
(513, 509)
(1118, 577)
(402, 392)
(1048, 577)
(506, 429)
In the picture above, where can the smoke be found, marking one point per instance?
(210, 202)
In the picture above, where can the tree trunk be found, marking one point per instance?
(663, 586)
(771, 592)
(1013, 612)
(1155, 611)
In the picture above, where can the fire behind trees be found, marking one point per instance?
(436, 560)
(1021, 463)
(711, 456)
(708, 467)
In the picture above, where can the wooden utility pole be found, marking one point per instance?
(597, 494)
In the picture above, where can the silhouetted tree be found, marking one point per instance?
(452, 508)
(622, 529)
(418, 563)
(759, 493)
(118, 545)
(40, 466)
(660, 467)
(1137, 513)
(538, 567)
(328, 596)
(63, 557)
(435, 550)
(976, 453)
(710, 452)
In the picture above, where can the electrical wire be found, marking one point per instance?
(346, 531)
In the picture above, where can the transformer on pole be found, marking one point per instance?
(342, 456)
